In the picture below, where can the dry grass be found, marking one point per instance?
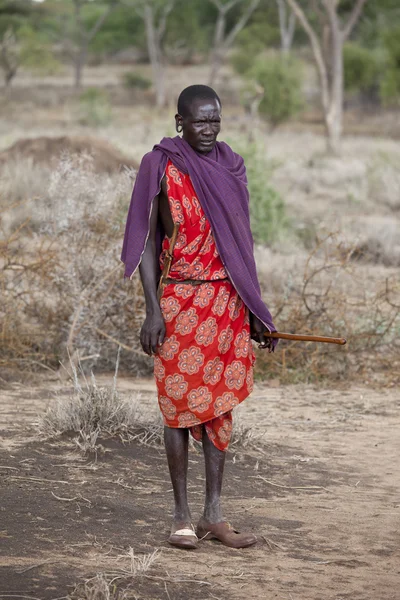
(116, 584)
(61, 278)
(92, 413)
(63, 292)
(331, 299)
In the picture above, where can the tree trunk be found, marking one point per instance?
(334, 116)
(287, 26)
(216, 55)
(223, 42)
(80, 62)
(216, 64)
(155, 56)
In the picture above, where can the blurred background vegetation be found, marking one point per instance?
(311, 98)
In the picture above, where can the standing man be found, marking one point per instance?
(200, 324)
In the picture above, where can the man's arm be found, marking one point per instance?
(153, 330)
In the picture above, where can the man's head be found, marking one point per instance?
(199, 117)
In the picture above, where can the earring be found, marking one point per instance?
(179, 128)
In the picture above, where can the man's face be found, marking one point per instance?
(202, 125)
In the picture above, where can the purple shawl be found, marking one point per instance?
(219, 179)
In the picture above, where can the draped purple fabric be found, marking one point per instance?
(219, 179)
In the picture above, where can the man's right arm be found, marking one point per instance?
(153, 330)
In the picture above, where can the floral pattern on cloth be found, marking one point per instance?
(204, 367)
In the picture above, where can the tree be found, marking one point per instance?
(25, 48)
(9, 56)
(327, 48)
(83, 36)
(155, 15)
(222, 40)
(287, 25)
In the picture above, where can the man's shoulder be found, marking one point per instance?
(150, 160)
(230, 154)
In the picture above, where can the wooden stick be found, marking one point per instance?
(305, 338)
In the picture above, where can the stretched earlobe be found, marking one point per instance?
(179, 127)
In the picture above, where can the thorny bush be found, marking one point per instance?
(63, 292)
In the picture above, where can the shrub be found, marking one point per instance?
(267, 210)
(35, 53)
(94, 107)
(281, 79)
(360, 68)
(133, 80)
(390, 83)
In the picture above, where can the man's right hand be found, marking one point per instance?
(152, 333)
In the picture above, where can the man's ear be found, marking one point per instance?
(178, 123)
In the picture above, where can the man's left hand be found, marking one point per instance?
(257, 330)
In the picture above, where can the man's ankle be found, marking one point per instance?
(182, 516)
(213, 513)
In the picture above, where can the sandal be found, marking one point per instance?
(184, 537)
(225, 533)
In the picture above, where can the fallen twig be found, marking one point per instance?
(289, 487)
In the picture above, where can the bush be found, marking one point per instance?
(35, 53)
(133, 80)
(390, 83)
(267, 209)
(360, 68)
(281, 79)
(94, 107)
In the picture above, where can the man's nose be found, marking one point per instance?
(208, 130)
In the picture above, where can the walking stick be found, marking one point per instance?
(305, 338)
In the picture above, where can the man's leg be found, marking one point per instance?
(176, 446)
(211, 524)
(214, 462)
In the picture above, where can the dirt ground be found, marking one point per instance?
(321, 492)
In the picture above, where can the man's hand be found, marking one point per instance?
(152, 333)
(257, 329)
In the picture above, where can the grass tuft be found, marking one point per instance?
(107, 585)
(93, 412)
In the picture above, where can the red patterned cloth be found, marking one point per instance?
(205, 366)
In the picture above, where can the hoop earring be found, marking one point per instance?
(179, 128)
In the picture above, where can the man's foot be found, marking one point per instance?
(224, 532)
(183, 536)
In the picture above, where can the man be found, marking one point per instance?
(199, 327)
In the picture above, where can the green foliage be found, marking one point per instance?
(134, 80)
(123, 28)
(267, 210)
(13, 13)
(250, 43)
(94, 107)
(390, 83)
(360, 68)
(35, 53)
(281, 79)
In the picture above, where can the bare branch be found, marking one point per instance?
(163, 20)
(316, 48)
(97, 26)
(355, 15)
(287, 25)
(241, 23)
(225, 8)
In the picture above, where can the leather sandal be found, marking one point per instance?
(183, 537)
(225, 533)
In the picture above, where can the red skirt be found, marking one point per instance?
(204, 367)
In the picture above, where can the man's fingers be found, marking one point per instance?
(154, 340)
(161, 336)
(145, 343)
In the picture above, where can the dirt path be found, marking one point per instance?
(322, 493)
